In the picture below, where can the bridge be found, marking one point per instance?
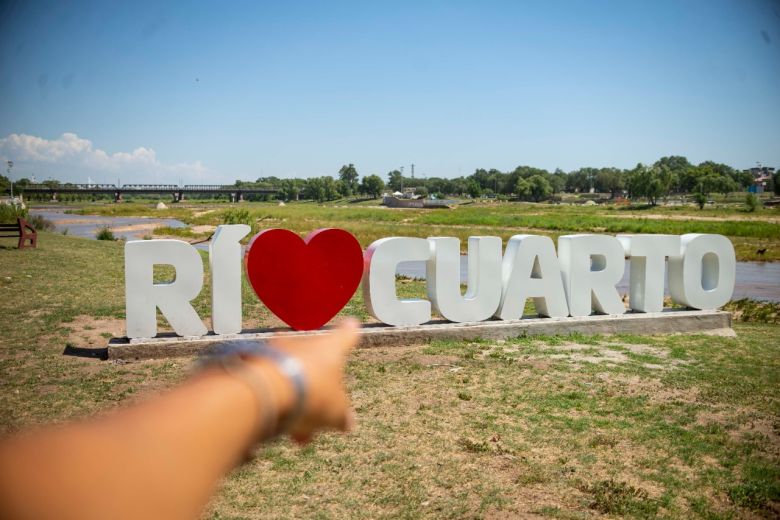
(178, 193)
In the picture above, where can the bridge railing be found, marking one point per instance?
(48, 187)
(216, 187)
(130, 187)
(144, 187)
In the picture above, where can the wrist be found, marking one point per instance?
(282, 393)
(276, 379)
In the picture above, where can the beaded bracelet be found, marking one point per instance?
(231, 356)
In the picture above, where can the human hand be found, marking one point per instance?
(323, 358)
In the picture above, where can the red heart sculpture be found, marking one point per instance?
(304, 282)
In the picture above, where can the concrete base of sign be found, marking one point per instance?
(379, 335)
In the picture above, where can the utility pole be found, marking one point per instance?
(11, 165)
(402, 179)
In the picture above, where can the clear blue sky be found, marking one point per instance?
(220, 91)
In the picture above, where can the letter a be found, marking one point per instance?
(530, 269)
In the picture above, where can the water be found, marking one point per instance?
(129, 228)
(756, 280)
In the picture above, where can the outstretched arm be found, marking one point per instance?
(163, 458)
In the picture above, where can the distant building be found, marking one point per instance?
(761, 177)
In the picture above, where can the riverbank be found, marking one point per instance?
(756, 236)
(562, 427)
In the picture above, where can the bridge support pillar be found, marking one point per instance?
(177, 196)
(54, 196)
(232, 197)
(240, 197)
(117, 196)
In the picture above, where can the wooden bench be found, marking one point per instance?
(21, 229)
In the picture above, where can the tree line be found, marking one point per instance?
(673, 175)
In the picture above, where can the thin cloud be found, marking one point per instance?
(74, 158)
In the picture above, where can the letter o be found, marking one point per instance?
(703, 276)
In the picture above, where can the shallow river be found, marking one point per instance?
(129, 228)
(757, 280)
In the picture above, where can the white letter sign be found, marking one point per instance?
(483, 291)
(381, 259)
(325, 268)
(530, 270)
(647, 266)
(144, 296)
(225, 265)
(591, 266)
(702, 276)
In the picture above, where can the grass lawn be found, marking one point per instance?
(749, 232)
(560, 427)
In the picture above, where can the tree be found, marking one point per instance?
(395, 180)
(290, 189)
(481, 177)
(372, 185)
(474, 189)
(522, 188)
(540, 187)
(679, 170)
(321, 189)
(523, 172)
(459, 186)
(579, 180)
(558, 180)
(647, 182)
(714, 182)
(330, 188)
(700, 199)
(343, 188)
(610, 180)
(709, 182)
(676, 163)
(348, 175)
(441, 187)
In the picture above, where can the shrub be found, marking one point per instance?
(754, 311)
(751, 203)
(701, 199)
(10, 212)
(40, 223)
(237, 216)
(105, 233)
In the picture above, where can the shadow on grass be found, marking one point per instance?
(637, 207)
(93, 353)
